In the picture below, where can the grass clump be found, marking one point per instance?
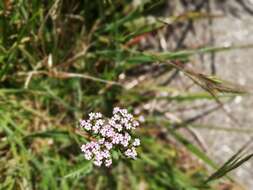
(60, 60)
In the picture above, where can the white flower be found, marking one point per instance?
(100, 122)
(108, 162)
(118, 127)
(136, 142)
(112, 133)
(91, 116)
(136, 123)
(88, 155)
(95, 128)
(101, 141)
(116, 117)
(85, 124)
(98, 162)
(108, 145)
(131, 153)
(106, 154)
(116, 110)
(141, 118)
(98, 115)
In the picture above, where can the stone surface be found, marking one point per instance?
(234, 28)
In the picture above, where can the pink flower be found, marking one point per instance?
(113, 133)
(85, 124)
(131, 153)
(108, 145)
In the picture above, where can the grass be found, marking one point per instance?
(59, 60)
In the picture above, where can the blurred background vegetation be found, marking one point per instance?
(60, 60)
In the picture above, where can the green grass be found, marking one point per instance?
(60, 60)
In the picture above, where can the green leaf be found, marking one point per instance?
(80, 170)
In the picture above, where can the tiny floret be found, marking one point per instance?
(108, 162)
(109, 134)
(136, 142)
(131, 153)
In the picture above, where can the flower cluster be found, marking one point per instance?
(109, 134)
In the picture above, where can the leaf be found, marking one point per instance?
(192, 148)
(81, 170)
(49, 134)
(232, 163)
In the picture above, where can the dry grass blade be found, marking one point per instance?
(66, 75)
(212, 85)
